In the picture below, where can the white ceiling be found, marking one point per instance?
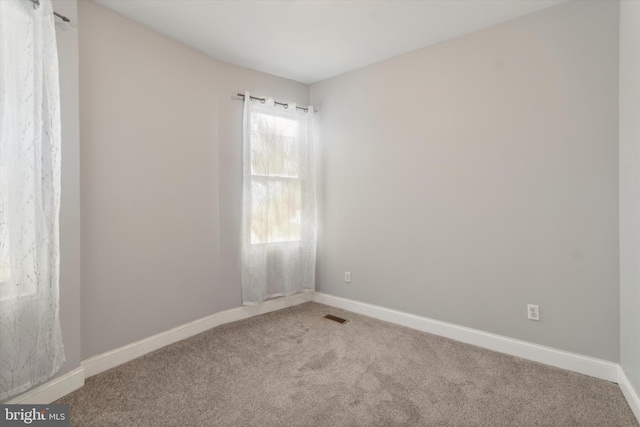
(309, 41)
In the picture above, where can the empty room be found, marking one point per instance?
(320, 213)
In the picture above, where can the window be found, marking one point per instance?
(19, 130)
(275, 179)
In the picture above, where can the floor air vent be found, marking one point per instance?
(335, 318)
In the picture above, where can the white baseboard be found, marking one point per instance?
(102, 362)
(630, 393)
(52, 390)
(550, 356)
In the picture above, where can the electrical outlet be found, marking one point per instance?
(532, 312)
(347, 277)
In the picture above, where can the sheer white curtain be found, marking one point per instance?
(30, 338)
(279, 218)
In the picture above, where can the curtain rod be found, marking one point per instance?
(36, 3)
(64, 18)
(285, 105)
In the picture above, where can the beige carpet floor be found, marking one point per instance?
(295, 368)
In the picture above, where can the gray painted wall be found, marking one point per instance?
(467, 179)
(630, 191)
(160, 179)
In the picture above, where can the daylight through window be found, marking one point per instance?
(275, 179)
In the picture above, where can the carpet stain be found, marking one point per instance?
(320, 362)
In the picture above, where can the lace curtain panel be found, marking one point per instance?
(31, 349)
(279, 214)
